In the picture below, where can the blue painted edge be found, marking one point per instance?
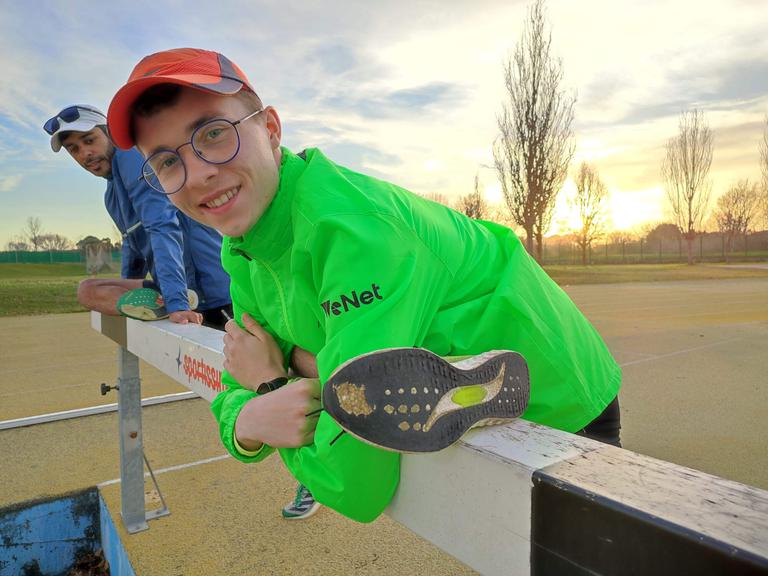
(114, 552)
(48, 535)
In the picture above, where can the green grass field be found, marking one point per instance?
(619, 273)
(28, 289)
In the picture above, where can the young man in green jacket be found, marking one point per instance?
(340, 264)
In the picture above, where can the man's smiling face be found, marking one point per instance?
(229, 197)
(92, 150)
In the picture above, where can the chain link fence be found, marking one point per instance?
(705, 248)
(50, 257)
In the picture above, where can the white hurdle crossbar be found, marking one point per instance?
(517, 499)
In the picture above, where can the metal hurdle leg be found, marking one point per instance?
(132, 507)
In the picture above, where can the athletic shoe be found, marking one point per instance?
(411, 400)
(303, 505)
(147, 304)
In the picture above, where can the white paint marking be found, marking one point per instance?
(170, 469)
(679, 352)
(90, 411)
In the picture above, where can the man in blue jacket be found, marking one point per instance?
(177, 252)
(157, 238)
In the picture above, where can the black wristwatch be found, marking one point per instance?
(272, 385)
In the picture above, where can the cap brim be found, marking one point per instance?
(79, 125)
(119, 114)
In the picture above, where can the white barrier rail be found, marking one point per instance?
(518, 499)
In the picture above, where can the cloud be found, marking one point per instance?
(742, 80)
(10, 183)
(361, 157)
(389, 87)
(335, 59)
(416, 101)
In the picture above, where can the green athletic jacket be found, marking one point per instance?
(342, 264)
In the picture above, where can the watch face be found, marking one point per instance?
(271, 385)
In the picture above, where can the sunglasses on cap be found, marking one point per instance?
(69, 114)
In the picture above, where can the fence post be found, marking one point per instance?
(661, 242)
(641, 250)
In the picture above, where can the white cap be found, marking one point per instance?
(89, 118)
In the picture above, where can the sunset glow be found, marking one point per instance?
(410, 100)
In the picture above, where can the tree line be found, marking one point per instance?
(33, 239)
(533, 152)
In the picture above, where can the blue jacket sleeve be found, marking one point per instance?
(132, 263)
(160, 220)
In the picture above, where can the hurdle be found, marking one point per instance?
(516, 499)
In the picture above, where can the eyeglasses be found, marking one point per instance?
(69, 114)
(216, 142)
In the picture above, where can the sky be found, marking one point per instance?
(408, 91)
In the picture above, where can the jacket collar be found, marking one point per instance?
(272, 235)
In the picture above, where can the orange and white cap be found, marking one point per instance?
(200, 69)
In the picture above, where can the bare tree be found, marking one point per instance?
(535, 144)
(34, 231)
(685, 171)
(763, 206)
(54, 242)
(589, 202)
(437, 197)
(474, 204)
(764, 154)
(764, 169)
(622, 236)
(643, 230)
(17, 244)
(736, 210)
(499, 213)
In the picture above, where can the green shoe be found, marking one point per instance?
(142, 304)
(411, 400)
(303, 506)
(146, 304)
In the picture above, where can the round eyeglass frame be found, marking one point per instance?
(147, 172)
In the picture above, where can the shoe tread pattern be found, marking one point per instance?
(386, 398)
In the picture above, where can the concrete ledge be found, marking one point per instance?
(611, 509)
(526, 499)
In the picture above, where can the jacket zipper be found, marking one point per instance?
(131, 229)
(282, 297)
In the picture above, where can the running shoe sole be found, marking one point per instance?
(141, 304)
(411, 400)
(311, 511)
